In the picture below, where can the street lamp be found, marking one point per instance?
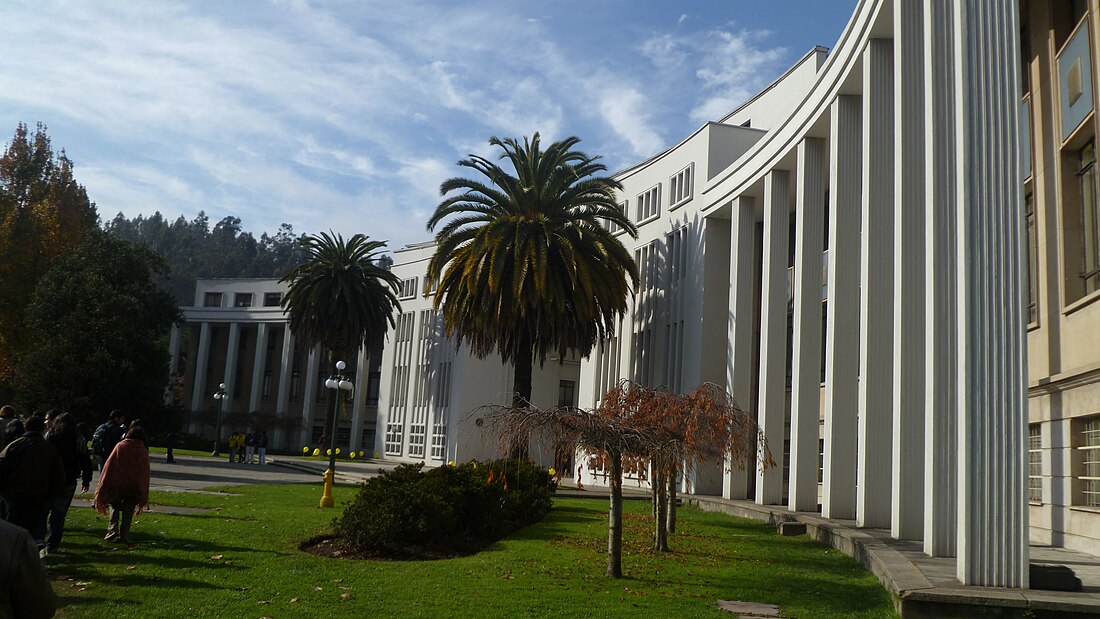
(339, 382)
(219, 395)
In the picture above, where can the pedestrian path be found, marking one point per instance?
(926, 586)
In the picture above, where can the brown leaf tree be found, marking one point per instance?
(636, 428)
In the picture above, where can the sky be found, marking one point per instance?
(347, 115)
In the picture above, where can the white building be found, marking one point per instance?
(897, 371)
(431, 390)
(236, 334)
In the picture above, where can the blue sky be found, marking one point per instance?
(347, 115)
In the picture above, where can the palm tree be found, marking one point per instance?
(524, 264)
(341, 297)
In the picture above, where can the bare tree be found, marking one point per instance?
(635, 429)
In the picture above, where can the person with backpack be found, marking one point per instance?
(107, 435)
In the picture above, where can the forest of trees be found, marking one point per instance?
(193, 249)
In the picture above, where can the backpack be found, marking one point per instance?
(99, 440)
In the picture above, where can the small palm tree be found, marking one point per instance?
(524, 264)
(340, 297)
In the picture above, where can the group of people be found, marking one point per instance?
(245, 447)
(42, 463)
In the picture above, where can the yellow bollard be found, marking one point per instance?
(326, 496)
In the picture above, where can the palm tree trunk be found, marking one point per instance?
(521, 387)
(615, 518)
(521, 390)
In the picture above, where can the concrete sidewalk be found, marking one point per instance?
(925, 587)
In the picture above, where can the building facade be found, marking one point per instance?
(1058, 81)
(432, 390)
(236, 334)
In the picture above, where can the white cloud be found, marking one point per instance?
(733, 68)
(624, 110)
(344, 115)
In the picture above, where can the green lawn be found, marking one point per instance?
(241, 560)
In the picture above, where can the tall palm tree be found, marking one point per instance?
(340, 297)
(524, 264)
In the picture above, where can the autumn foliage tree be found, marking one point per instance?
(44, 214)
(649, 432)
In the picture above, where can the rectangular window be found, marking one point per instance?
(273, 299)
(1032, 250)
(1090, 220)
(212, 299)
(408, 288)
(368, 441)
(1035, 463)
(318, 434)
(648, 204)
(1090, 462)
(567, 393)
(680, 186)
(374, 382)
(343, 436)
(242, 299)
(612, 226)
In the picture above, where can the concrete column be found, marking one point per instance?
(308, 396)
(838, 498)
(230, 377)
(806, 371)
(940, 400)
(876, 314)
(772, 402)
(282, 400)
(198, 392)
(907, 504)
(991, 374)
(362, 374)
(742, 325)
(258, 367)
(173, 362)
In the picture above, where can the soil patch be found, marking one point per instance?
(331, 546)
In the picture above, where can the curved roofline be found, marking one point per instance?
(765, 153)
(817, 49)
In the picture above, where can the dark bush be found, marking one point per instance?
(447, 510)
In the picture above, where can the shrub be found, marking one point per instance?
(445, 510)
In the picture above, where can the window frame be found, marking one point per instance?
(1088, 451)
(1035, 463)
(648, 205)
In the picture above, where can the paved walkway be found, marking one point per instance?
(925, 586)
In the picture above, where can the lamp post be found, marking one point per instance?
(219, 395)
(340, 383)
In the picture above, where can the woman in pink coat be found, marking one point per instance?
(124, 484)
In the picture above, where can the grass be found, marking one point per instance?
(241, 560)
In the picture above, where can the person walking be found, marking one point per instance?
(25, 591)
(261, 447)
(10, 426)
(72, 448)
(249, 446)
(107, 435)
(124, 484)
(31, 474)
(170, 444)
